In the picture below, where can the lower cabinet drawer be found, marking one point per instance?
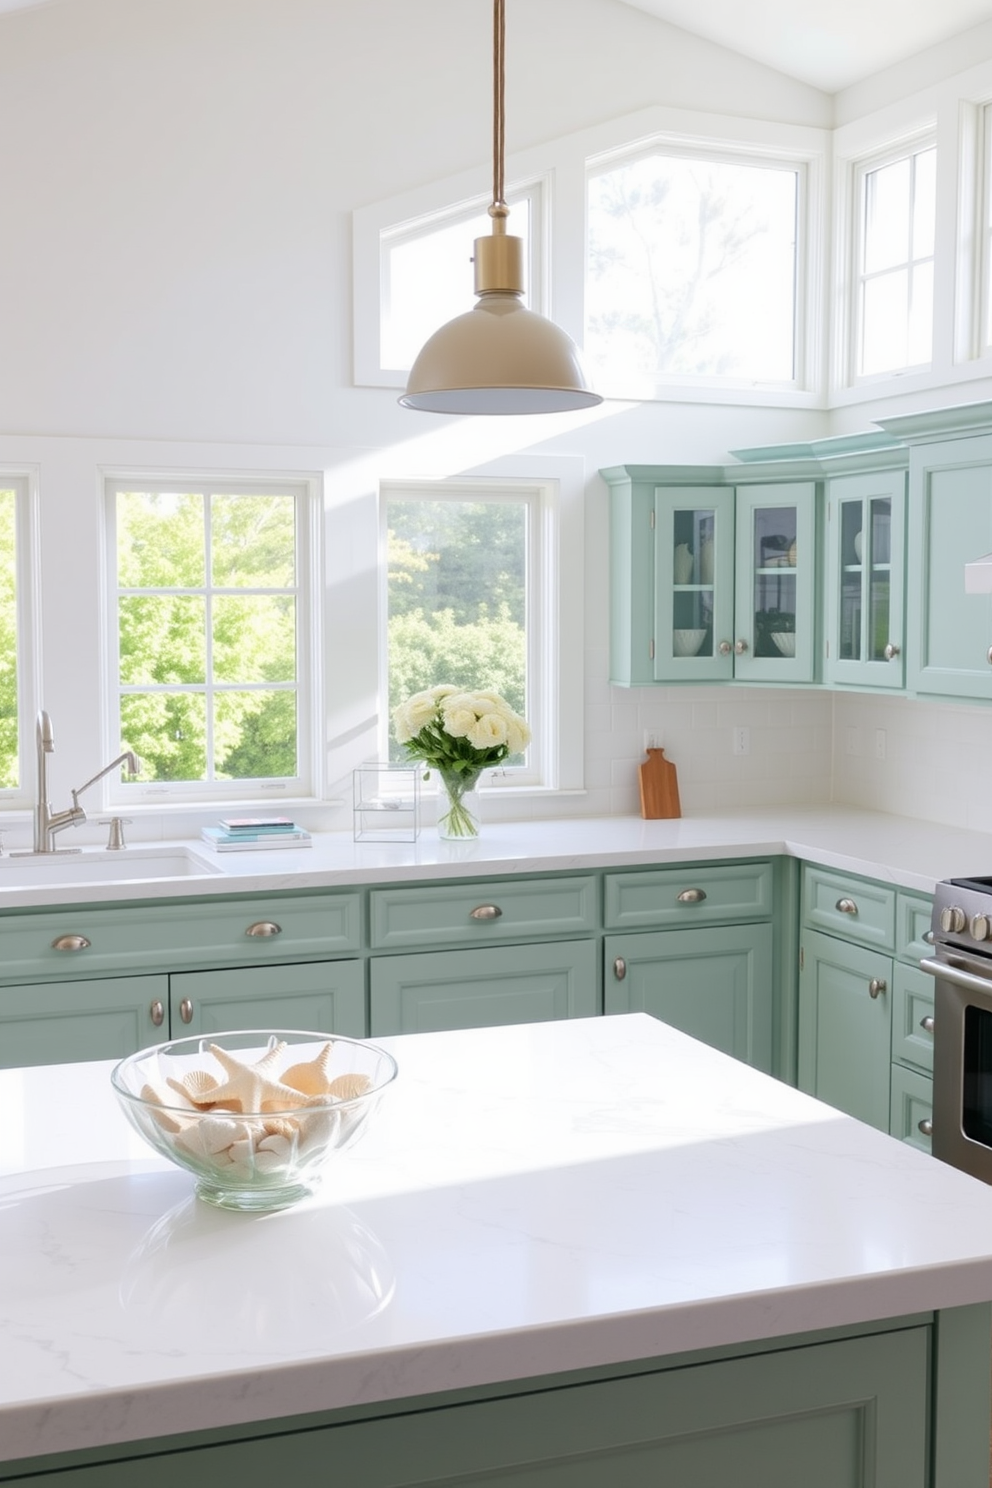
(911, 1111)
(89, 942)
(479, 989)
(912, 1017)
(714, 893)
(851, 908)
(470, 914)
(63, 1022)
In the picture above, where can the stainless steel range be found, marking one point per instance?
(962, 1052)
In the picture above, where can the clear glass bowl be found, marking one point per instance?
(253, 1114)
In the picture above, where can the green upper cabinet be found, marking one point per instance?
(951, 523)
(708, 582)
(775, 589)
(865, 565)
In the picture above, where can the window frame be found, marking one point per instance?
(377, 228)
(554, 612)
(23, 481)
(805, 264)
(307, 784)
(904, 148)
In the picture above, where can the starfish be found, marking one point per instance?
(250, 1087)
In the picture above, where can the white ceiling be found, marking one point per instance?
(828, 43)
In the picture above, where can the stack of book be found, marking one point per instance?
(250, 833)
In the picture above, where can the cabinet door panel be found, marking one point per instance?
(950, 523)
(912, 1010)
(62, 1022)
(844, 1056)
(479, 989)
(326, 996)
(714, 984)
(775, 583)
(694, 584)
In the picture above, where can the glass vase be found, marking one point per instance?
(457, 805)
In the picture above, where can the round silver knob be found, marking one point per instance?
(891, 652)
(619, 968)
(927, 1023)
(988, 656)
(875, 986)
(485, 912)
(264, 928)
(978, 927)
(740, 647)
(952, 919)
(186, 1010)
(157, 1013)
(925, 1126)
(70, 943)
(691, 896)
(846, 906)
(725, 648)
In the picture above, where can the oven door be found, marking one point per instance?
(962, 1061)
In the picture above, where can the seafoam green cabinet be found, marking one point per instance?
(63, 1022)
(711, 580)
(326, 996)
(865, 1008)
(865, 642)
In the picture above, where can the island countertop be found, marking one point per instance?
(904, 851)
(532, 1199)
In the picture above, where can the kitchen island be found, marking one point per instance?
(566, 1253)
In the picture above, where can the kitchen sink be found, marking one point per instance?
(98, 866)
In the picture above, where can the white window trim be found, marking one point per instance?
(861, 168)
(24, 482)
(808, 263)
(555, 646)
(308, 784)
(561, 166)
(374, 235)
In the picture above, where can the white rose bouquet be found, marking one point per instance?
(459, 734)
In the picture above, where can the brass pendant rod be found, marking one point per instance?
(499, 108)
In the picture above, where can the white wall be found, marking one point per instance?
(176, 187)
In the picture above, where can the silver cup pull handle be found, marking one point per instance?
(846, 906)
(485, 912)
(691, 896)
(264, 928)
(70, 943)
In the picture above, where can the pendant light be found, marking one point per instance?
(499, 357)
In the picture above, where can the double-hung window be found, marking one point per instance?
(211, 647)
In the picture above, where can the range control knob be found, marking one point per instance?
(953, 919)
(979, 927)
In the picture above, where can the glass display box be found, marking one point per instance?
(387, 802)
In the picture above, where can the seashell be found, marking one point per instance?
(197, 1085)
(311, 1078)
(270, 1162)
(243, 1153)
(280, 1147)
(349, 1087)
(217, 1133)
(165, 1119)
(281, 1126)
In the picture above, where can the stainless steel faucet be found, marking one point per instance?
(47, 823)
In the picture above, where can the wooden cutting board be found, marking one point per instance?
(659, 786)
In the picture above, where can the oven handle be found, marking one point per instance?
(965, 979)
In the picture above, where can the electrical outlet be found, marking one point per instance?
(880, 744)
(741, 738)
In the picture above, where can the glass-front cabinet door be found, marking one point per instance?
(694, 589)
(865, 601)
(775, 583)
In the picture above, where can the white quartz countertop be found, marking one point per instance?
(532, 1199)
(903, 851)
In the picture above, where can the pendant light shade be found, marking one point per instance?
(499, 357)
